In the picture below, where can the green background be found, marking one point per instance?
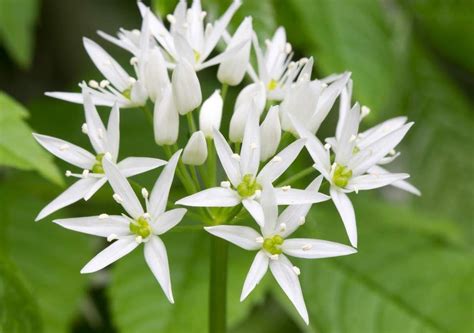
(415, 268)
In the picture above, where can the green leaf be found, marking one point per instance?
(17, 27)
(18, 308)
(138, 304)
(17, 146)
(405, 278)
(48, 256)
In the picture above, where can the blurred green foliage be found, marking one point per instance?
(415, 268)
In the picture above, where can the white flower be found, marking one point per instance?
(232, 70)
(273, 245)
(210, 115)
(349, 172)
(270, 134)
(104, 141)
(275, 68)
(188, 38)
(309, 102)
(186, 87)
(166, 119)
(195, 152)
(139, 227)
(246, 179)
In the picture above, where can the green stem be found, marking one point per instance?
(211, 160)
(218, 286)
(296, 177)
(224, 89)
(148, 114)
(191, 124)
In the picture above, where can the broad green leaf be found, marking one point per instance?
(18, 307)
(403, 279)
(47, 255)
(17, 27)
(17, 146)
(138, 304)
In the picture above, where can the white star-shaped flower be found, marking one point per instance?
(103, 140)
(138, 227)
(246, 180)
(350, 171)
(273, 245)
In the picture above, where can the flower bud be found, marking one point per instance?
(270, 134)
(186, 87)
(251, 98)
(211, 114)
(166, 119)
(155, 74)
(232, 69)
(195, 152)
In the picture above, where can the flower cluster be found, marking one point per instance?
(276, 115)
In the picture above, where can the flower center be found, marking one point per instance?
(141, 227)
(97, 167)
(272, 85)
(248, 186)
(127, 93)
(272, 245)
(341, 176)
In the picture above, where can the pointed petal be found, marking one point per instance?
(244, 237)
(95, 127)
(95, 187)
(281, 162)
(168, 220)
(315, 248)
(401, 184)
(298, 197)
(250, 152)
(110, 254)
(66, 151)
(132, 166)
(97, 226)
(372, 181)
(107, 65)
(257, 271)
(347, 142)
(113, 132)
(282, 270)
(120, 185)
(270, 209)
(379, 131)
(255, 210)
(157, 259)
(159, 194)
(212, 197)
(346, 211)
(230, 165)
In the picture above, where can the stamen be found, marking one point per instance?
(171, 19)
(133, 61)
(274, 257)
(296, 270)
(307, 247)
(303, 61)
(100, 133)
(259, 240)
(117, 198)
(236, 157)
(258, 194)
(286, 188)
(111, 237)
(203, 14)
(103, 216)
(145, 193)
(277, 159)
(84, 128)
(288, 48)
(108, 155)
(104, 83)
(364, 111)
(85, 173)
(68, 173)
(139, 239)
(282, 227)
(64, 147)
(225, 184)
(327, 146)
(324, 85)
(132, 80)
(352, 138)
(146, 215)
(136, 32)
(356, 189)
(302, 220)
(392, 152)
(93, 84)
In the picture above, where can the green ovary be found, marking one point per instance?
(341, 176)
(272, 245)
(248, 186)
(97, 167)
(197, 56)
(127, 93)
(272, 85)
(141, 227)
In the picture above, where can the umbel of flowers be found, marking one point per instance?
(276, 115)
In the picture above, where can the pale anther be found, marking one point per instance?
(301, 220)
(236, 157)
(258, 194)
(117, 198)
(307, 247)
(282, 227)
(104, 83)
(93, 84)
(84, 128)
(111, 237)
(392, 152)
(146, 215)
(274, 256)
(139, 239)
(327, 146)
(68, 173)
(324, 85)
(259, 240)
(100, 133)
(364, 111)
(287, 48)
(145, 193)
(170, 18)
(132, 80)
(296, 270)
(352, 138)
(133, 61)
(64, 147)
(103, 216)
(225, 184)
(85, 173)
(286, 188)
(277, 159)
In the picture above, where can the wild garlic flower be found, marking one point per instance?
(140, 226)
(273, 244)
(349, 172)
(246, 180)
(103, 140)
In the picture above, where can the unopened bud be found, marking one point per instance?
(210, 115)
(195, 152)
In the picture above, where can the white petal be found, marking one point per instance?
(66, 151)
(113, 132)
(161, 189)
(210, 115)
(346, 142)
(270, 134)
(157, 259)
(379, 131)
(77, 98)
(293, 216)
(369, 182)
(270, 209)
(401, 184)
(230, 165)
(279, 164)
(250, 152)
(255, 210)
(282, 270)
(74, 193)
(257, 271)
(168, 220)
(298, 197)
(244, 237)
(315, 248)
(186, 87)
(95, 127)
(121, 187)
(212, 197)
(95, 187)
(132, 166)
(166, 119)
(195, 151)
(346, 211)
(183, 48)
(98, 226)
(107, 65)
